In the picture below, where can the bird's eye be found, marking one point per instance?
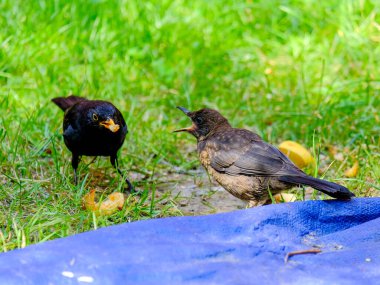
(94, 117)
(198, 120)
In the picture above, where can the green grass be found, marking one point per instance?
(301, 70)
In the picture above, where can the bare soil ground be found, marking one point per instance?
(196, 194)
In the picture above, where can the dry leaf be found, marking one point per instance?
(285, 197)
(332, 149)
(297, 153)
(335, 152)
(353, 171)
(113, 203)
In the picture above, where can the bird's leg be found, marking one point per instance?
(115, 164)
(74, 162)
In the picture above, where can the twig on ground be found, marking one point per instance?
(297, 252)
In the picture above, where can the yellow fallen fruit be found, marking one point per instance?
(297, 153)
(285, 197)
(353, 171)
(113, 203)
(89, 201)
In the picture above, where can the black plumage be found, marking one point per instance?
(92, 128)
(245, 165)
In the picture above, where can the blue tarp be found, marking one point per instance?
(241, 247)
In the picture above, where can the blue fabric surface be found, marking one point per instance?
(241, 247)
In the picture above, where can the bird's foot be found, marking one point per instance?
(132, 190)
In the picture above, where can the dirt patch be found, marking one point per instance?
(195, 194)
(192, 192)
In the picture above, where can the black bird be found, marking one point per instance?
(246, 166)
(92, 128)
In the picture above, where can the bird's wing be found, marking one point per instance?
(245, 154)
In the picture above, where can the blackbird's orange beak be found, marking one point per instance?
(189, 129)
(110, 124)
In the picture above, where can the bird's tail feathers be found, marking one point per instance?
(330, 188)
(66, 102)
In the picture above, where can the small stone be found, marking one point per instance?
(339, 156)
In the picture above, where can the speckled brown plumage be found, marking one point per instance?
(246, 166)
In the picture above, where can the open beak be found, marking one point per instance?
(110, 124)
(189, 129)
(184, 110)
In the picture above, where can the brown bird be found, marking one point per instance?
(92, 128)
(246, 166)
